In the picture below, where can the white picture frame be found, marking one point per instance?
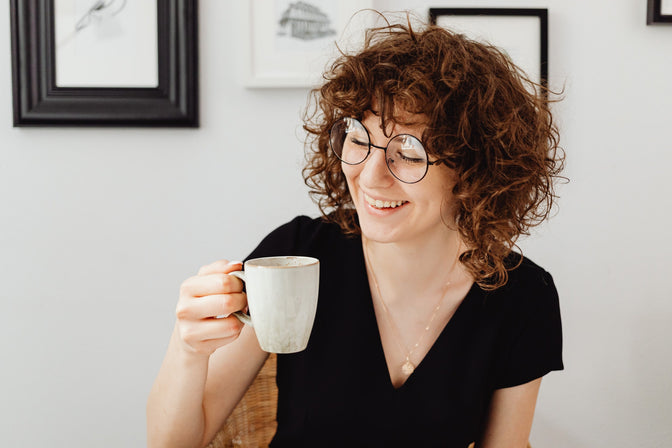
(520, 33)
(659, 12)
(285, 51)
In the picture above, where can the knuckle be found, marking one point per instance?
(226, 282)
(227, 303)
(182, 311)
(185, 286)
(188, 334)
(234, 326)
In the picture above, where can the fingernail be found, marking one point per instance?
(231, 263)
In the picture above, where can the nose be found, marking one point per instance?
(375, 172)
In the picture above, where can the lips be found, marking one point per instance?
(383, 203)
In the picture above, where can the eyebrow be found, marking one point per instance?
(395, 135)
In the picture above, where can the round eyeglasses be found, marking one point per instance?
(405, 156)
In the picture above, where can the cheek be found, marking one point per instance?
(350, 172)
(449, 206)
(438, 193)
(443, 183)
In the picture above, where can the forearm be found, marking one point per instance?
(510, 417)
(175, 416)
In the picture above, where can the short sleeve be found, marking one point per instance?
(534, 341)
(291, 238)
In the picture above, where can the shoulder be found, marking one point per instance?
(304, 230)
(529, 291)
(525, 274)
(527, 311)
(297, 237)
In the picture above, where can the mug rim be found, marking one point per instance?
(310, 261)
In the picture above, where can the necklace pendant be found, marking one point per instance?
(407, 368)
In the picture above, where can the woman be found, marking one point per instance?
(431, 155)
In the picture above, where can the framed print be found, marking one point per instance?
(521, 33)
(659, 12)
(104, 62)
(291, 42)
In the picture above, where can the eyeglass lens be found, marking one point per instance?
(405, 156)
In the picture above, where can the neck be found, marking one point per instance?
(415, 266)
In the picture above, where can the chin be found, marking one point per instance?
(378, 233)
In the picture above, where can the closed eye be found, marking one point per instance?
(407, 159)
(357, 142)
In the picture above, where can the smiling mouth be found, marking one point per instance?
(377, 203)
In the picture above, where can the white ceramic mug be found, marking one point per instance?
(282, 300)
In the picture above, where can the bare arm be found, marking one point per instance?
(234, 369)
(209, 363)
(510, 416)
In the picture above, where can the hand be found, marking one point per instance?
(203, 297)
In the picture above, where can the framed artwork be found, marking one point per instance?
(521, 33)
(659, 12)
(291, 42)
(104, 62)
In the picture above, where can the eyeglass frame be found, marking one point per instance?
(384, 148)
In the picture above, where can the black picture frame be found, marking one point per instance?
(654, 15)
(541, 13)
(38, 101)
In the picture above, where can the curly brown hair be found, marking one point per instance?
(485, 120)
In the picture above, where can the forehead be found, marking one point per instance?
(401, 123)
(397, 114)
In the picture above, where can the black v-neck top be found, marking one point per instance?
(338, 391)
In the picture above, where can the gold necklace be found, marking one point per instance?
(407, 368)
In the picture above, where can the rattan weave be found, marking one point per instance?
(252, 423)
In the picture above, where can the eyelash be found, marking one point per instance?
(359, 143)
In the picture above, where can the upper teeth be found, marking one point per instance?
(382, 204)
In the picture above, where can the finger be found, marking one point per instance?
(205, 285)
(207, 329)
(210, 345)
(221, 266)
(211, 306)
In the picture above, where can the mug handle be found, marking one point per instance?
(244, 318)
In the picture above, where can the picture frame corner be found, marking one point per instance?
(483, 13)
(39, 101)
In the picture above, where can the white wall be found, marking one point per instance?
(98, 227)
